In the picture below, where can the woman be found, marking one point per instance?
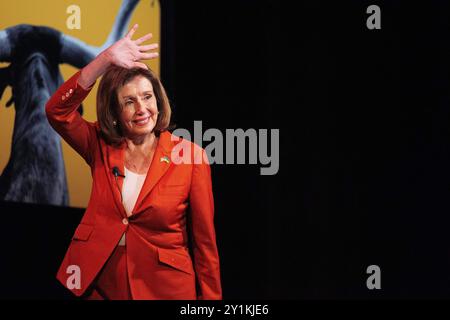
(148, 214)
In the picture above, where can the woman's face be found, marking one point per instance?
(139, 110)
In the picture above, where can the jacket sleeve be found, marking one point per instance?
(206, 258)
(63, 116)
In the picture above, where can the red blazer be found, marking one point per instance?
(160, 265)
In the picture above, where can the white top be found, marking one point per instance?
(132, 185)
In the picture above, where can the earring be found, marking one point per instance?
(114, 123)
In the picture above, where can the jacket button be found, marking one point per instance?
(63, 97)
(70, 91)
(67, 94)
(124, 221)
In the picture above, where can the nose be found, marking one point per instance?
(140, 106)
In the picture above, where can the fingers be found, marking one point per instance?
(148, 47)
(140, 65)
(132, 31)
(143, 38)
(147, 56)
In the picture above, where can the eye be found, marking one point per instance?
(128, 102)
(148, 97)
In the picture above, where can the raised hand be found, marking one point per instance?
(128, 53)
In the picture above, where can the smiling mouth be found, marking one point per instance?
(142, 121)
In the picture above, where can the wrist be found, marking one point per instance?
(84, 83)
(105, 58)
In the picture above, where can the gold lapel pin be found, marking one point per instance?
(164, 159)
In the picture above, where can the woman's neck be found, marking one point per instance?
(141, 143)
(138, 155)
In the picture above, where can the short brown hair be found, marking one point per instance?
(108, 106)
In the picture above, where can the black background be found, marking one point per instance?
(364, 149)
